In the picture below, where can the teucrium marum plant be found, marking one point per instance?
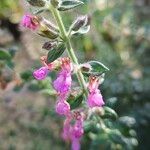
(76, 104)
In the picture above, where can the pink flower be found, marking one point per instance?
(27, 21)
(73, 132)
(93, 83)
(67, 129)
(95, 99)
(62, 108)
(77, 130)
(75, 144)
(63, 82)
(76, 134)
(41, 73)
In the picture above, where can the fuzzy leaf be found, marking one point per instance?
(75, 98)
(39, 11)
(55, 53)
(37, 3)
(69, 4)
(82, 30)
(109, 113)
(97, 68)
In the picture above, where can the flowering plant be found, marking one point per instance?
(77, 106)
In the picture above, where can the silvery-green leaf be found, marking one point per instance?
(97, 68)
(82, 30)
(69, 4)
(55, 53)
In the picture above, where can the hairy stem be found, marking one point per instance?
(70, 50)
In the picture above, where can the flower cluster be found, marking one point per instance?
(30, 22)
(73, 132)
(67, 66)
(94, 98)
(62, 85)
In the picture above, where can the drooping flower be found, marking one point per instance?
(63, 82)
(76, 134)
(75, 144)
(30, 22)
(62, 108)
(78, 131)
(95, 98)
(41, 73)
(67, 128)
(73, 132)
(93, 83)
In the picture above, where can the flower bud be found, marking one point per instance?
(62, 108)
(80, 22)
(85, 67)
(47, 29)
(49, 45)
(41, 73)
(95, 99)
(38, 3)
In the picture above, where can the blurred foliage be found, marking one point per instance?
(6, 66)
(119, 37)
(10, 9)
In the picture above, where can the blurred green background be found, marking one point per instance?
(119, 38)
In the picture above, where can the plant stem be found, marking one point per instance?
(70, 50)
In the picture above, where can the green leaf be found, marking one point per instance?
(37, 3)
(55, 53)
(39, 11)
(69, 4)
(82, 30)
(109, 113)
(48, 92)
(4, 55)
(75, 99)
(97, 68)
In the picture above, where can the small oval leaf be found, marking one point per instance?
(109, 113)
(82, 30)
(97, 68)
(55, 53)
(69, 4)
(75, 99)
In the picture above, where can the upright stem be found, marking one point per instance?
(70, 50)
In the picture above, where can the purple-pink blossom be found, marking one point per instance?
(63, 82)
(62, 108)
(95, 99)
(67, 129)
(41, 73)
(77, 130)
(76, 134)
(27, 21)
(75, 144)
(73, 132)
